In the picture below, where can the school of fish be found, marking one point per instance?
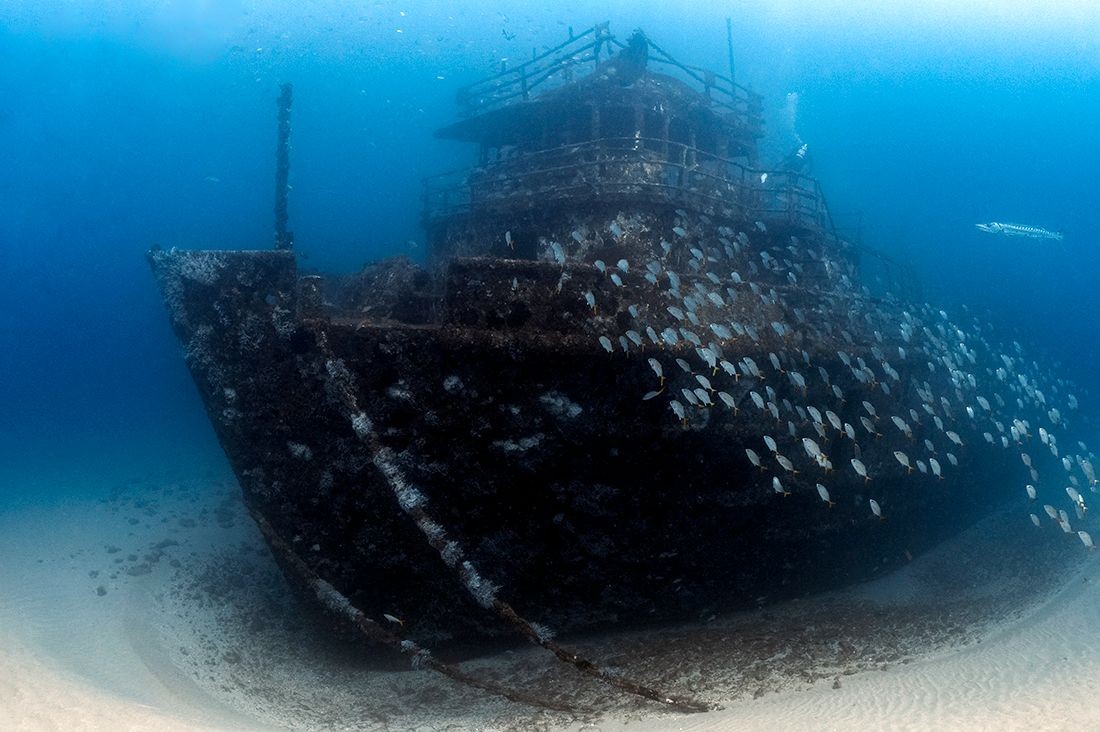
(865, 385)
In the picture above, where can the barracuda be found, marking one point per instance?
(1031, 232)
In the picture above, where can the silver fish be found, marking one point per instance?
(1019, 230)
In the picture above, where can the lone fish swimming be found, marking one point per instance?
(1031, 232)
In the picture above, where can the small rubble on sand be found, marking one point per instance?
(226, 619)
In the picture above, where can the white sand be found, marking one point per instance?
(68, 657)
(73, 659)
(1042, 673)
(35, 695)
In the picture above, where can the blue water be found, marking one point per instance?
(128, 124)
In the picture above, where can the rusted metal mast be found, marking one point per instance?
(283, 239)
(729, 47)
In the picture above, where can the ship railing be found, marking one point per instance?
(849, 226)
(626, 168)
(562, 64)
(722, 91)
(889, 273)
(553, 67)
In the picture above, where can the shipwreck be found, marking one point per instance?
(638, 378)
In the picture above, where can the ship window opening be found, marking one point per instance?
(554, 133)
(617, 122)
(679, 131)
(707, 141)
(654, 130)
(578, 125)
(554, 129)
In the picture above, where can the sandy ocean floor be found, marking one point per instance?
(156, 606)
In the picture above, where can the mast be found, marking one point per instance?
(283, 239)
(729, 46)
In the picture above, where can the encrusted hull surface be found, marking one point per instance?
(534, 450)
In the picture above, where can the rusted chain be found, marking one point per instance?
(420, 657)
(412, 502)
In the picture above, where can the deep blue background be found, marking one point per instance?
(128, 124)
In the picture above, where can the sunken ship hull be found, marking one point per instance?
(535, 450)
(638, 378)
